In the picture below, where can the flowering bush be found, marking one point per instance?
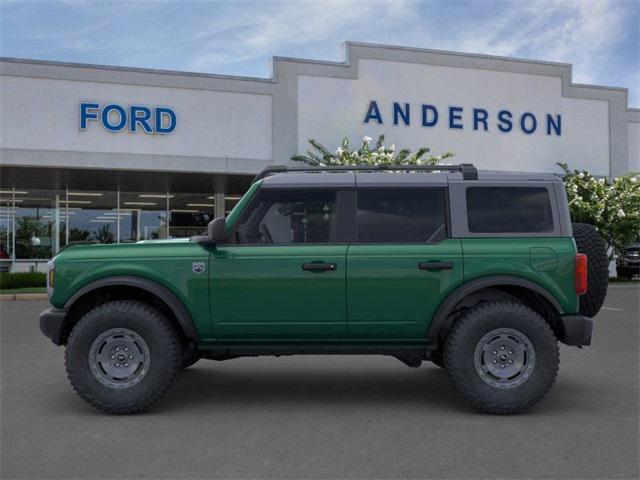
(367, 154)
(613, 208)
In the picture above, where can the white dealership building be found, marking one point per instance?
(115, 154)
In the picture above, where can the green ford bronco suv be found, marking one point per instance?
(481, 273)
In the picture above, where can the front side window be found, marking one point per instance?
(509, 210)
(401, 216)
(282, 217)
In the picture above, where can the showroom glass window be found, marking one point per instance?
(6, 227)
(39, 217)
(92, 216)
(285, 217)
(145, 216)
(190, 213)
(414, 215)
(36, 223)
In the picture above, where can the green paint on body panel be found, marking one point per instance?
(260, 292)
(389, 297)
(166, 262)
(377, 293)
(547, 262)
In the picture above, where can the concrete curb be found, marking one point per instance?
(624, 285)
(23, 296)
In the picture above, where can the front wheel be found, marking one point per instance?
(502, 357)
(122, 356)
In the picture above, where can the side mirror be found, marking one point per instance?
(217, 230)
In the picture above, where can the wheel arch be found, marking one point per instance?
(533, 295)
(126, 286)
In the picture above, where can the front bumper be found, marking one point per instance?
(52, 325)
(576, 330)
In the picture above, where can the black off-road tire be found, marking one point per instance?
(189, 357)
(463, 370)
(589, 242)
(161, 345)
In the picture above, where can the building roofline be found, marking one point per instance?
(346, 63)
(117, 68)
(453, 52)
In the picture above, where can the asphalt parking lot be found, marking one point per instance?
(323, 417)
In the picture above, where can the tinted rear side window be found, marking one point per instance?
(509, 210)
(401, 216)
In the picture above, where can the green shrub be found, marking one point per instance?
(22, 280)
(368, 154)
(612, 207)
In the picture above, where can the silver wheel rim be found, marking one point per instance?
(504, 358)
(119, 358)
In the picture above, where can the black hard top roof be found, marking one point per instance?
(365, 176)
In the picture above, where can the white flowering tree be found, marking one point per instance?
(613, 208)
(368, 154)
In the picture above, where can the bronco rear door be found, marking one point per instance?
(402, 263)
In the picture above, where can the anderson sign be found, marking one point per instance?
(460, 118)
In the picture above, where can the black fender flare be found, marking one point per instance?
(167, 296)
(439, 320)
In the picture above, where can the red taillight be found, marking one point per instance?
(581, 273)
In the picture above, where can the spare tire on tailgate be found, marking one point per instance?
(589, 242)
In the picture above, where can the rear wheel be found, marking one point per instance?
(589, 242)
(502, 357)
(122, 356)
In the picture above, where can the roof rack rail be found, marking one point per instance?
(469, 172)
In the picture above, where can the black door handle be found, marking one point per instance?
(319, 267)
(435, 265)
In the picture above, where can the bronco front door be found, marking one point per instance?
(284, 277)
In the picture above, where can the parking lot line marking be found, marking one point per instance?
(612, 308)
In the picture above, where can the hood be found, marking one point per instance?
(113, 250)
